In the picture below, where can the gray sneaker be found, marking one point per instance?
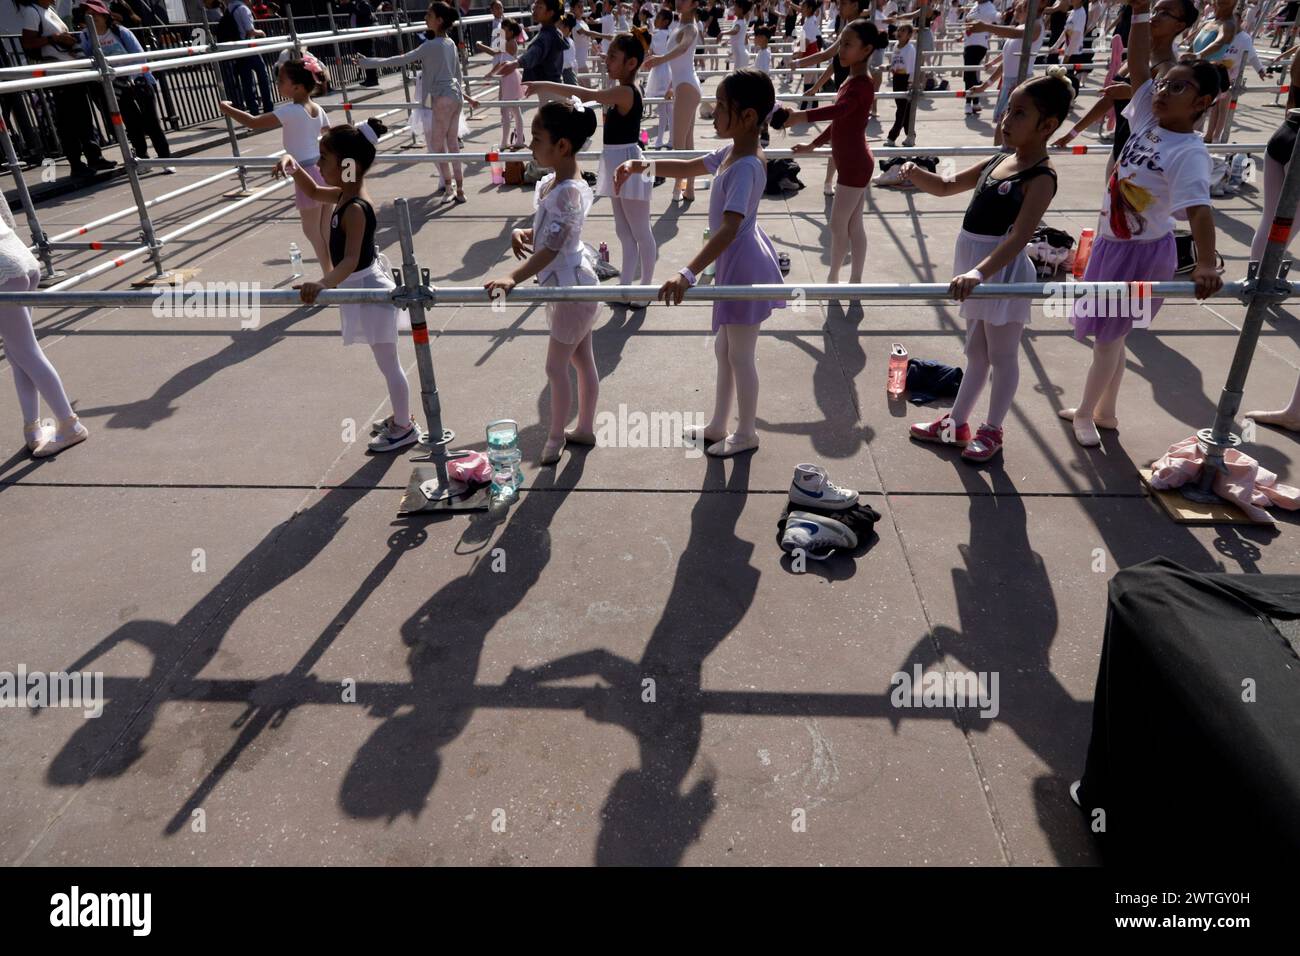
(386, 441)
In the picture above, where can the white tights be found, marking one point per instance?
(995, 350)
(559, 356)
(632, 223)
(737, 373)
(34, 376)
(399, 393)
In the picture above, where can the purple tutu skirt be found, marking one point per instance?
(1115, 260)
(750, 260)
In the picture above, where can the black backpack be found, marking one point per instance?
(778, 171)
(226, 30)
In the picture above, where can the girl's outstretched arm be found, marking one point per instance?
(619, 97)
(928, 182)
(260, 121)
(668, 168)
(287, 166)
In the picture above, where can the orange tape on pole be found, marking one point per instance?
(420, 334)
(1078, 150)
(117, 119)
(1281, 230)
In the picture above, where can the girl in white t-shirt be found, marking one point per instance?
(1163, 172)
(302, 122)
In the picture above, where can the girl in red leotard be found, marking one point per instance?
(848, 138)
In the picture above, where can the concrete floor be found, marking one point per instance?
(498, 715)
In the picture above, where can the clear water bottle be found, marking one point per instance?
(295, 259)
(897, 370)
(505, 457)
(712, 267)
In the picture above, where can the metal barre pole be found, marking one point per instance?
(477, 295)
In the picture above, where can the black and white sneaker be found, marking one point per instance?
(812, 487)
(386, 441)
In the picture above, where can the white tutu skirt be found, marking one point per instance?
(570, 322)
(372, 324)
(637, 187)
(16, 260)
(660, 80)
(422, 119)
(972, 249)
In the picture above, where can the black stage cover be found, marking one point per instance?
(1195, 749)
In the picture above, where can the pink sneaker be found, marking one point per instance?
(942, 432)
(986, 443)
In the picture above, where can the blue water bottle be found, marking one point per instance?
(505, 457)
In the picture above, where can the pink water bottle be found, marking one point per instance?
(604, 252)
(897, 370)
(1083, 253)
(645, 138)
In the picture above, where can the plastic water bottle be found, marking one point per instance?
(604, 252)
(1083, 253)
(504, 455)
(295, 259)
(897, 370)
(498, 174)
(712, 267)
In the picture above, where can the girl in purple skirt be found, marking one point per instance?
(1163, 172)
(744, 253)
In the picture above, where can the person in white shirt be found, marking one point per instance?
(975, 49)
(1070, 42)
(46, 37)
(1240, 51)
(1008, 70)
(901, 66)
(881, 14)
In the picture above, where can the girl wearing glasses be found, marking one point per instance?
(1163, 173)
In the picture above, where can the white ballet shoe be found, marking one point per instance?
(70, 432)
(36, 434)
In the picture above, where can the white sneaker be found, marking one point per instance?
(909, 141)
(812, 487)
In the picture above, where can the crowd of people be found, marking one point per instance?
(1166, 70)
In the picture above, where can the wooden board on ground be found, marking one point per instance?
(1185, 511)
(172, 277)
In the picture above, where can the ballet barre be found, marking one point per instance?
(652, 155)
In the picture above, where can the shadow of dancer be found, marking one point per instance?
(244, 345)
(647, 819)
(1008, 618)
(397, 767)
(109, 746)
(840, 433)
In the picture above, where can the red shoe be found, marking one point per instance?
(986, 444)
(942, 432)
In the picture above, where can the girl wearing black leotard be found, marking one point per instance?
(346, 153)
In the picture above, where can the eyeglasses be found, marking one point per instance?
(1174, 87)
